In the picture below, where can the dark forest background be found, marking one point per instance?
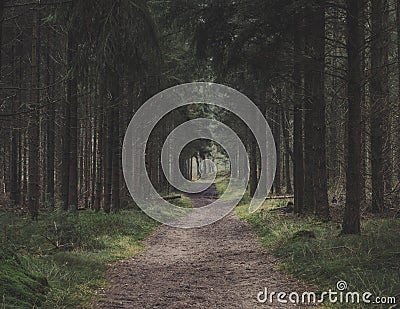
(326, 75)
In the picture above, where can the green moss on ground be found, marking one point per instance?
(59, 261)
(369, 262)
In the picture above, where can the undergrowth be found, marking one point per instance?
(314, 252)
(59, 261)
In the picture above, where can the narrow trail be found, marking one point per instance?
(218, 266)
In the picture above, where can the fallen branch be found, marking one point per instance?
(171, 197)
(283, 197)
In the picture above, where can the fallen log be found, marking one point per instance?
(280, 197)
(171, 197)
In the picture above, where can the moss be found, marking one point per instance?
(69, 251)
(19, 286)
(367, 263)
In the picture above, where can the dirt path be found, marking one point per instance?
(217, 266)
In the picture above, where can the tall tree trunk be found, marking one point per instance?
(100, 156)
(398, 99)
(288, 151)
(277, 137)
(108, 159)
(50, 128)
(309, 164)
(116, 146)
(33, 132)
(94, 159)
(316, 21)
(298, 151)
(1, 36)
(364, 110)
(72, 100)
(14, 140)
(351, 220)
(379, 100)
(253, 164)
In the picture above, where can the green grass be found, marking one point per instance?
(221, 184)
(183, 202)
(370, 262)
(59, 261)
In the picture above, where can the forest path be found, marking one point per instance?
(217, 266)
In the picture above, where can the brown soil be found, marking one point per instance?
(218, 266)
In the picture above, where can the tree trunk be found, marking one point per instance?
(288, 151)
(309, 197)
(100, 155)
(14, 189)
(298, 151)
(1, 35)
(72, 99)
(253, 164)
(277, 137)
(116, 166)
(316, 19)
(397, 128)
(94, 175)
(50, 134)
(108, 160)
(351, 220)
(379, 98)
(33, 132)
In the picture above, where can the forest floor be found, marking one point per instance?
(217, 266)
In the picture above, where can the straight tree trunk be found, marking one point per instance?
(253, 164)
(50, 134)
(298, 151)
(116, 165)
(33, 132)
(100, 156)
(316, 21)
(397, 128)
(309, 196)
(14, 189)
(72, 99)
(351, 220)
(277, 137)
(379, 98)
(108, 160)
(94, 160)
(288, 152)
(1, 36)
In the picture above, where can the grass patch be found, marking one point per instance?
(183, 202)
(221, 184)
(59, 261)
(313, 251)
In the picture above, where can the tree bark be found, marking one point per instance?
(108, 160)
(351, 220)
(298, 150)
(288, 151)
(379, 100)
(14, 189)
(398, 98)
(50, 130)
(116, 146)
(100, 155)
(277, 137)
(72, 100)
(309, 196)
(33, 132)
(316, 20)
